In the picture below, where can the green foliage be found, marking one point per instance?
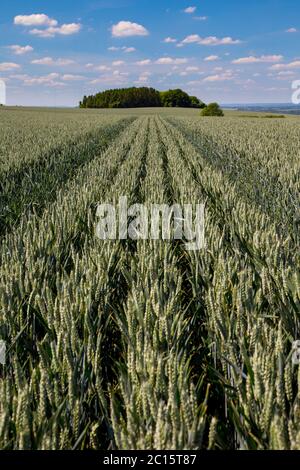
(123, 98)
(179, 99)
(212, 109)
(140, 98)
(196, 103)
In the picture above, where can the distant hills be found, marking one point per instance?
(280, 108)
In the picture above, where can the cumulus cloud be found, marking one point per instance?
(211, 58)
(51, 25)
(72, 78)
(117, 63)
(117, 73)
(192, 38)
(291, 65)
(51, 61)
(127, 28)
(286, 73)
(102, 68)
(192, 69)
(170, 61)
(209, 41)
(128, 50)
(63, 30)
(116, 78)
(190, 10)
(214, 41)
(52, 80)
(143, 62)
(292, 30)
(170, 40)
(226, 76)
(20, 50)
(256, 60)
(143, 78)
(8, 66)
(38, 19)
(124, 49)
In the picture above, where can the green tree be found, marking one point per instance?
(175, 99)
(196, 103)
(123, 98)
(140, 98)
(212, 109)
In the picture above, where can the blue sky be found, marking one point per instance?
(54, 52)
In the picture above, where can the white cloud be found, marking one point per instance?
(127, 28)
(102, 68)
(63, 30)
(117, 78)
(170, 40)
(210, 40)
(192, 69)
(143, 78)
(170, 61)
(291, 65)
(128, 50)
(117, 73)
(7, 66)
(143, 62)
(256, 60)
(292, 30)
(96, 81)
(286, 73)
(34, 20)
(194, 83)
(42, 33)
(19, 76)
(219, 77)
(72, 78)
(214, 41)
(52, 80)
(124, 49)
(192, 38)
(117, 63)
(190, 10)
(20, 50)
(211, 58)
(50, 61)
(52, 27)
(200, 18)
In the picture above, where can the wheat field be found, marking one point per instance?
(142, 344)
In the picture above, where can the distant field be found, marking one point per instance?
(142, 344)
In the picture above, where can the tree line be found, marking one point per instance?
(141, 98)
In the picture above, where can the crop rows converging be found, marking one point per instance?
(143, 344)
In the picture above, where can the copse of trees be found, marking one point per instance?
(123, 98)
(179, 99)
(140, 98)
